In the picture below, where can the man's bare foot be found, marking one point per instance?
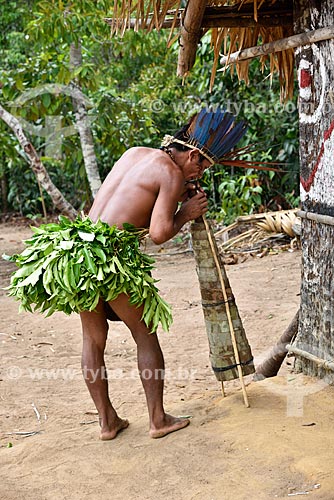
(111, 432)
(168, 425)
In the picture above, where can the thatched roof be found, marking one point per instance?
(234, 25)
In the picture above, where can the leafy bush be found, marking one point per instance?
(136, 98)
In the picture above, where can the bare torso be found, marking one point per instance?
(143, 189)
(130, 190)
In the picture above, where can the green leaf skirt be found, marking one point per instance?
(70, 266)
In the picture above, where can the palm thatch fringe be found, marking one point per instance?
(238, 39)
(150, 14)
(153, 14)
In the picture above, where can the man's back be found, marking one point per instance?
(129, 192)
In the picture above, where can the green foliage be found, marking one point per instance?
(239, 195)
(71, 265)
(135, 98)
(232, 195)
(272, 129)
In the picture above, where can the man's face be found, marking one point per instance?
(203, 165)
(196, 167)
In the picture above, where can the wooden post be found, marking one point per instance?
(223, 390)
(191, 32)
(315, 69)
(270, 366)
(220, 311)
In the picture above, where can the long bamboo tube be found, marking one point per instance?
(228, 313)
(323, 219)
(322, 363)
(279, 45)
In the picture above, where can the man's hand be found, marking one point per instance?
(194, 206)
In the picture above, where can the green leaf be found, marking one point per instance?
(86, 236)
(89, 261)
(46, 99)
(66, 245)
(32, 279)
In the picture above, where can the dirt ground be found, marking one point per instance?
(280, 447)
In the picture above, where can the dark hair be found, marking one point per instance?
(182, 135)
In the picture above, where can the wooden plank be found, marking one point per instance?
(265, 21)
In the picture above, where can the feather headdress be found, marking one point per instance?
(215, 134)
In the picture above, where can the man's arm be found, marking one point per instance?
(166, 222)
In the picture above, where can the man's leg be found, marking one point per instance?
(151, 368)
(95, 331)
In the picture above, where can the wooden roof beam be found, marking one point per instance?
(191, 32)
(228, 17)
(234, 16)
(284, 18)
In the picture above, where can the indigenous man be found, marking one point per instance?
(143, 188)
(146, 188)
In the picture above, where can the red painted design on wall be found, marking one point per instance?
(307, 183)
(305, 79)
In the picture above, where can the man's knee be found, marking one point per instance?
(95, 333)
(143, 336)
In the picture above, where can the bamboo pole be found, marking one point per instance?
(322, 363)
(227, 228)
(223, 390)
(240, 237)
(190, 35)
(323, 219)
(279, 45)
(228, 314)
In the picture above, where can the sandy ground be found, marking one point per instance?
(280, 447)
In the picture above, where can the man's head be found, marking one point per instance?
(190, 160)
(213, 133)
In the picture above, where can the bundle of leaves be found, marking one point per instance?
(71, 265)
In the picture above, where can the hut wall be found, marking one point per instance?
(315, 66)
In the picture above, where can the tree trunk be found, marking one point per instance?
(222, 356)
(4, 191)
(37, 166)
(315, 64)
(270, 366)
(83, 126)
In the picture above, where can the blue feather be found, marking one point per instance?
(216, 132)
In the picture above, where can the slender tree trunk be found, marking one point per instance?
(270, 366)
(37, 166)
(315, 64)
(83, 126)
(4, 191)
